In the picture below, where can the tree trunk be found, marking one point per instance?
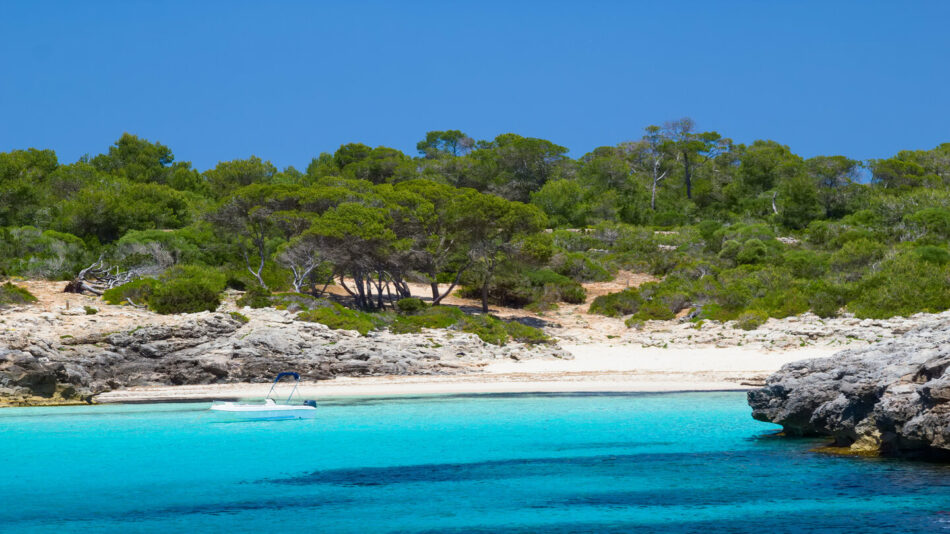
(485, 297)
(260, 269)
(435, 292)
(435, 287)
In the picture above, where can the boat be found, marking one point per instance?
(270, 409)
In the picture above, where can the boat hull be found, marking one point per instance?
(238, 412)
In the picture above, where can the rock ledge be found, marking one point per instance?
(891, 397)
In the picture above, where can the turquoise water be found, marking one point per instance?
(524, 463)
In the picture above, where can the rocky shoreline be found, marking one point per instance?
(39, 367)
(889, 398)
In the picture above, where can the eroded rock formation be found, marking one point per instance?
(891, 397)
(217, 348)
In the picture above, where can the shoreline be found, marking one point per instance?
(595, 368)
(411, 386)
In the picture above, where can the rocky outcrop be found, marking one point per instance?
(891, 397)
(209, 348)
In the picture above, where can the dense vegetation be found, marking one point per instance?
(732, 231)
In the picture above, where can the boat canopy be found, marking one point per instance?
(282, 375)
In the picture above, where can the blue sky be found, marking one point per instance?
(288, 80)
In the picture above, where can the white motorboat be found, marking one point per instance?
(269, 410)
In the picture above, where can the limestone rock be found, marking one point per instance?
(891, 397)
(39, 365)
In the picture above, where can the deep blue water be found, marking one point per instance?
(691, 462)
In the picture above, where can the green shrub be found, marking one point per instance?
(745, 285)
(255, 297)
(729, 250)
(430, 317)
(239, 317)
(782, 302)
(806, 264)
(653, 310)
(824, 299)
(580, 267)
(667, 219)
(562, 287)
(526, 334)
(856, 256)
(13, 294)
(751, 320)
(938, 255)
(188, 289)
(337, 317)
(708, 231)
(32, 253)
(184, 295)
(752, 251)
(576, 241)
(662, 262)
(90, 310)
(616, 304)
(905, 285)
(673, 294)
(542, 287)
(934, 222)
(138, 291)
(410, 305)
(489, 329)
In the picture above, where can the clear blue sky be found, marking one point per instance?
(287, 80)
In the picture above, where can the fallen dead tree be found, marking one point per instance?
(99, 278)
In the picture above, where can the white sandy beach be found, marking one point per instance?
(595, 368)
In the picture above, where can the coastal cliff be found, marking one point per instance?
(39, 365)
(891, 398)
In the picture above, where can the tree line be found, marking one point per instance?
(460, 211)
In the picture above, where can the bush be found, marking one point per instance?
(256, 297)
(138, 291)
(580, 267)
(184, 295)
(489, 329)
(751, 320)
(616, 304)
(540, 288)
(905, 285)
(410, 305)
(824, 299)
(653, 311)
(188, 289)
(933, 254)
(337, 317)
(806, 263)
(431, 317)
(32, 253)
(239, 317)
(856, 256)
(933, 222)
(90, 310)
(562, 288)
(526, 334)
(752, 251)
(13, 294)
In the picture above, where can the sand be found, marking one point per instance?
(595, 368)
(607, 354)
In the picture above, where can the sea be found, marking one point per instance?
(642, 463)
